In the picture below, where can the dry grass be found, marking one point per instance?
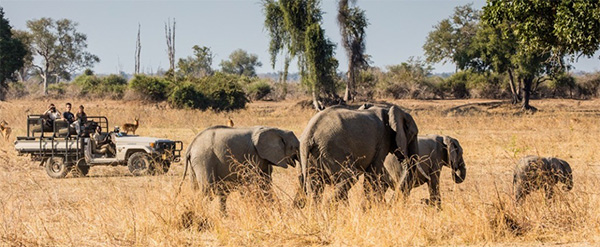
(110, 207)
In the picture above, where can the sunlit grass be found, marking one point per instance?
(113, 208)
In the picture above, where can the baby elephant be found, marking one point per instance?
(219, 156)
(534, 173)
(435, 152)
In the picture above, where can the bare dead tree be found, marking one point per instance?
(170, 35)
(138, 49)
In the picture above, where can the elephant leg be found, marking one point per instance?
(317, 185)
(549, 192)
(374, 188)
(223, 193)
(434, 191)
(344, 182)
(266, 187)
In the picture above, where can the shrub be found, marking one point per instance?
(58, 88)
(151, 87)
(223, 92)
(588, 85)
(87, 83)
(258, 90)
(91, 85)
(187, 95)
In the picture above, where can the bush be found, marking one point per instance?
(589, 85)
(110, 86)
(258, 90)
(223, 92)
(151, 87)
(57, 89)
(187, 95)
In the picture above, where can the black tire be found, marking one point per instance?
(81, 169)
(140, 164)
(56, 167)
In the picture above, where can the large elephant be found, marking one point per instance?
(434, 152)
(534, 173)
(218, 156)
(340, 144)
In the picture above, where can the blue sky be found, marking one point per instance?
(397, 29)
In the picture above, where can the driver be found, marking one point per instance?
(102, 142)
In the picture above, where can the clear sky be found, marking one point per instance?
(397, 29)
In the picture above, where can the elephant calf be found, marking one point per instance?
(218, 156)
(434, 152)
(534, 173)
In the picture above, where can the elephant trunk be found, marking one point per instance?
(459, 173)
(568, 181)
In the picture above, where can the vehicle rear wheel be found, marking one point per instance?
(139, 164)
(56, 167)
(81, 169)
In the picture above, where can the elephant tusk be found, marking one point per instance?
(423, 172)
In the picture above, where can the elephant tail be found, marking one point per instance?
(304, 152)
(188, 159)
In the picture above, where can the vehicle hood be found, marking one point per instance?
(138, 139)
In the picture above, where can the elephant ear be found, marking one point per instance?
(406, 131)
(452, 151)
(270, 146)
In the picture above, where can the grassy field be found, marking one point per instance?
(110, 207)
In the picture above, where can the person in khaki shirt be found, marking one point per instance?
(102, 142)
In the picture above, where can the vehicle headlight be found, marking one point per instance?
(152, 144)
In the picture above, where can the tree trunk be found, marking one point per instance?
(527, 81)
(513, 90)
(45, 82)
(316, 102)
(349, 95)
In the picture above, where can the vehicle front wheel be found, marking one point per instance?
(56, 167)
(81, 169)
(139, 164)
(161, 167)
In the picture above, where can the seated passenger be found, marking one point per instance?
(79, 120)
(102, 143)
(51, 115)
(68, 115)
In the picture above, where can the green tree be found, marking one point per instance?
(353, 22)
(12, 52)
(451, 38)
(545, 32)
(60, 47)
(199, 65)
(24, 72)
(288, 23)
(241, 63)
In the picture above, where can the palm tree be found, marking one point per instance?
(353, 22)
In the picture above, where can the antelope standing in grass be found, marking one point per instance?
(131, 126)
(5, 130)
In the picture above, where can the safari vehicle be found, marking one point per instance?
(61, 150)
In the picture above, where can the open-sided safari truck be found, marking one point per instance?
(61, 150)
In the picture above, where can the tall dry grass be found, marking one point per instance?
(110, 207)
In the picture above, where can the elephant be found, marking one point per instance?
(218, 156)
(534, 173)
(339, 144)
(435, 151)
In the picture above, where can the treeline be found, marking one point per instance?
(414, 80)
(218, 91)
